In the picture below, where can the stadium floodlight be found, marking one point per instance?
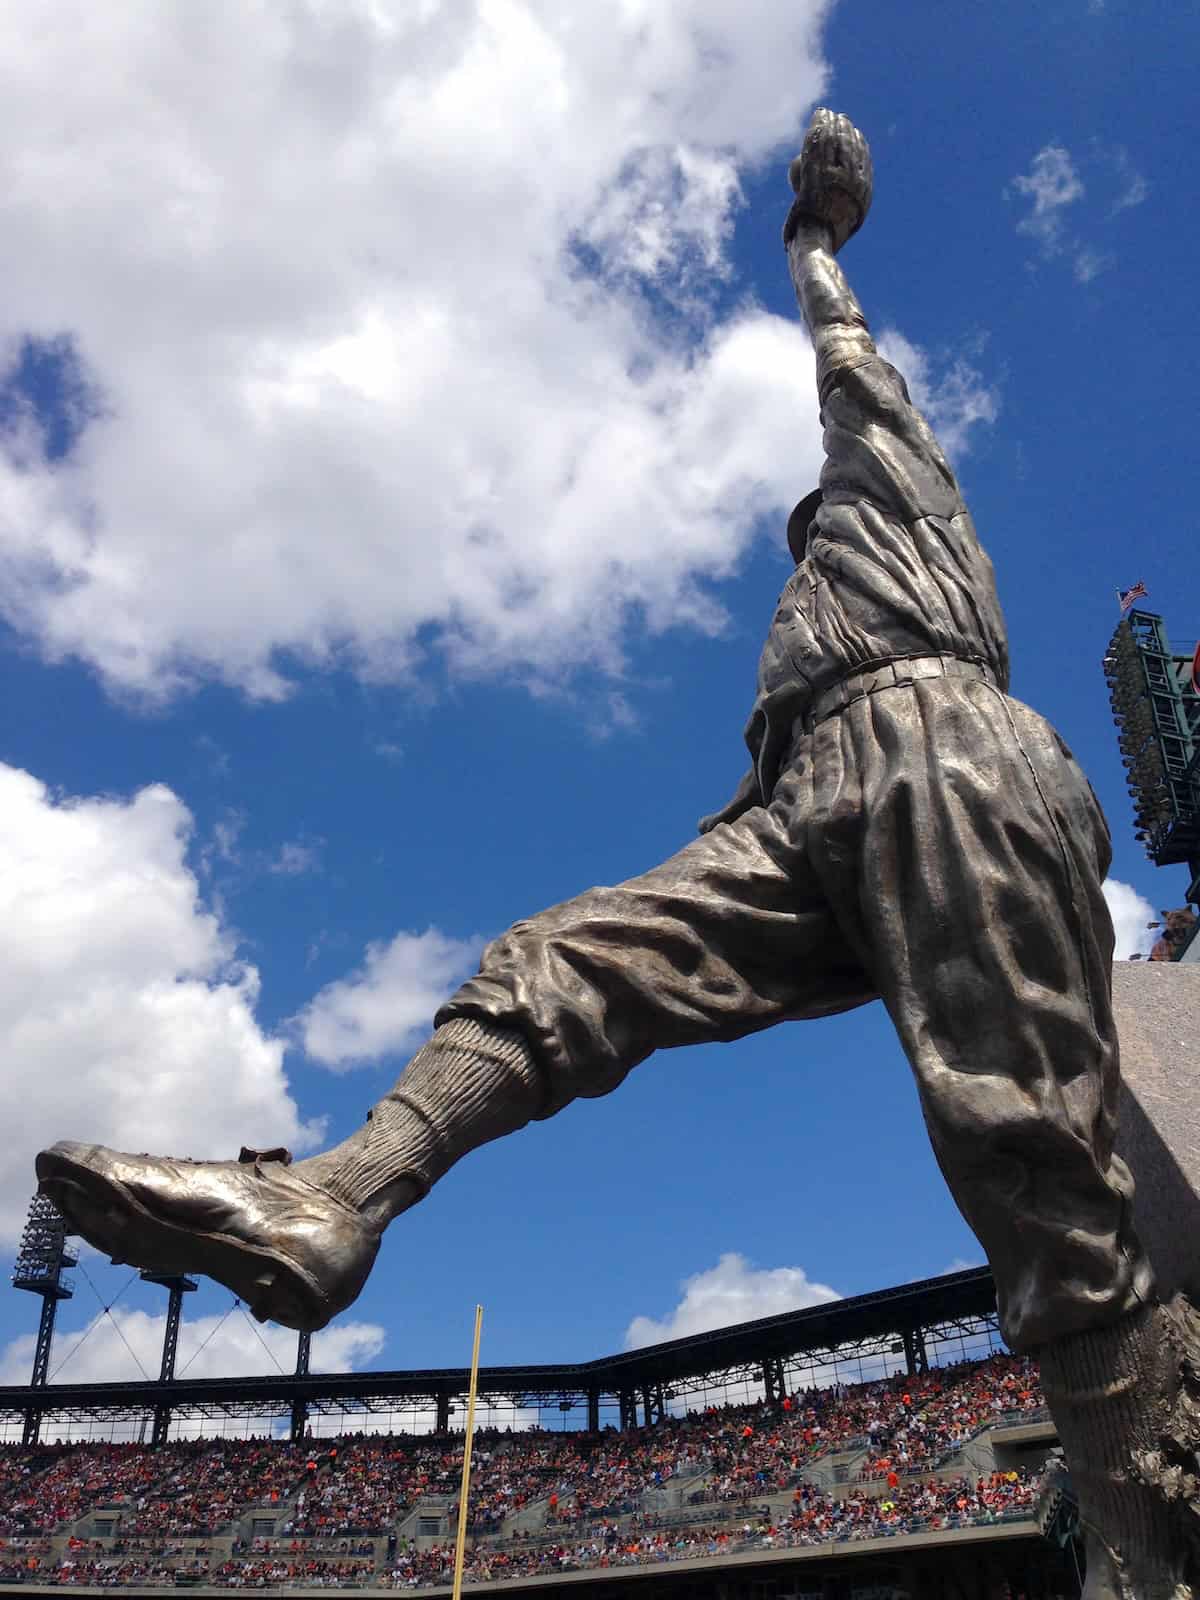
(1156, 708)
(42, 1258)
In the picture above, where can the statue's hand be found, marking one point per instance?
(831, 178)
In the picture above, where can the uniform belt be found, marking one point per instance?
(893, 673)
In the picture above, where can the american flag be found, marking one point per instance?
(1128, 596)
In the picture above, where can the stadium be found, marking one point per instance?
(880, 1447)
(401, 409)
(890, 1447)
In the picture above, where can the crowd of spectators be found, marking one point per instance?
(608, 1475)
(186, 1489)
(22, 1556)
(931, 1418)
(905, 1425)
(294, 1549)
(295, 1571)
(372, 1479)
(206, 1489)
(122, 1572)
(18, 1469)
(585, 1493)
(816, 1519)
(82, 1549)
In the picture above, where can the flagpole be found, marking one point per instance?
(460, 1547)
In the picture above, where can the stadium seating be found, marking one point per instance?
(382, 1508)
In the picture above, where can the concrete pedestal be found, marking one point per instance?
(1157, 1007)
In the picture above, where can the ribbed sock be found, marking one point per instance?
(1110, 1391)
(473, 1082)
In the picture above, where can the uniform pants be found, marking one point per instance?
(936, 846)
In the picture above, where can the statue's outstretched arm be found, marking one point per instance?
(879, 448)
(832, 181)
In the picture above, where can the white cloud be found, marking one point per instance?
(1135, 191)
(1090, 263)
(226, 835)
(296, 857)
(110, 1346)
(731, 1292)
(1052, 183)
(1134, 187)
(124, 1014)
(1130, 913)
(217, 759)
(363, 299)
(388, 1004)
(962, 1264)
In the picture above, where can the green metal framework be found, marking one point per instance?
(1157, 713)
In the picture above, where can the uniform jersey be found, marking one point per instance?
(893, 567)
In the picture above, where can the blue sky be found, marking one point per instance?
(399, 427)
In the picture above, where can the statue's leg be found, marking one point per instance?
(729, 936)
(978, 855)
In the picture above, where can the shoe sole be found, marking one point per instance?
(103, 1212)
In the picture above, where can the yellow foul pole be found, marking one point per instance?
(464, 1492)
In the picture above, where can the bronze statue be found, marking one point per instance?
(906, 832)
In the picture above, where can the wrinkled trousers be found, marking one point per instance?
(934, 845)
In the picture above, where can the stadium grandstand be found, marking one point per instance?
(867, 1449)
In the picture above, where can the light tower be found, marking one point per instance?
(42, 1258)
(1156, 708)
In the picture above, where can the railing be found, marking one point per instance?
(572, 1560)
(575, 1560)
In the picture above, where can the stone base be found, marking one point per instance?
(1157, 1006)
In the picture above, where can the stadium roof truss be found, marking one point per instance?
(913, 1320)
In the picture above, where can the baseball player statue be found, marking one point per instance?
(906, 832)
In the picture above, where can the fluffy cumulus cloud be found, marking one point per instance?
(357, 309)
(122, 1004)
(389, 330)
(388, 1004)
(733, 1291)
(1131, 913)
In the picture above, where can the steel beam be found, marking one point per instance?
(962, 1304)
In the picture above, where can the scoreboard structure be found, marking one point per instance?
(1155, 701)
